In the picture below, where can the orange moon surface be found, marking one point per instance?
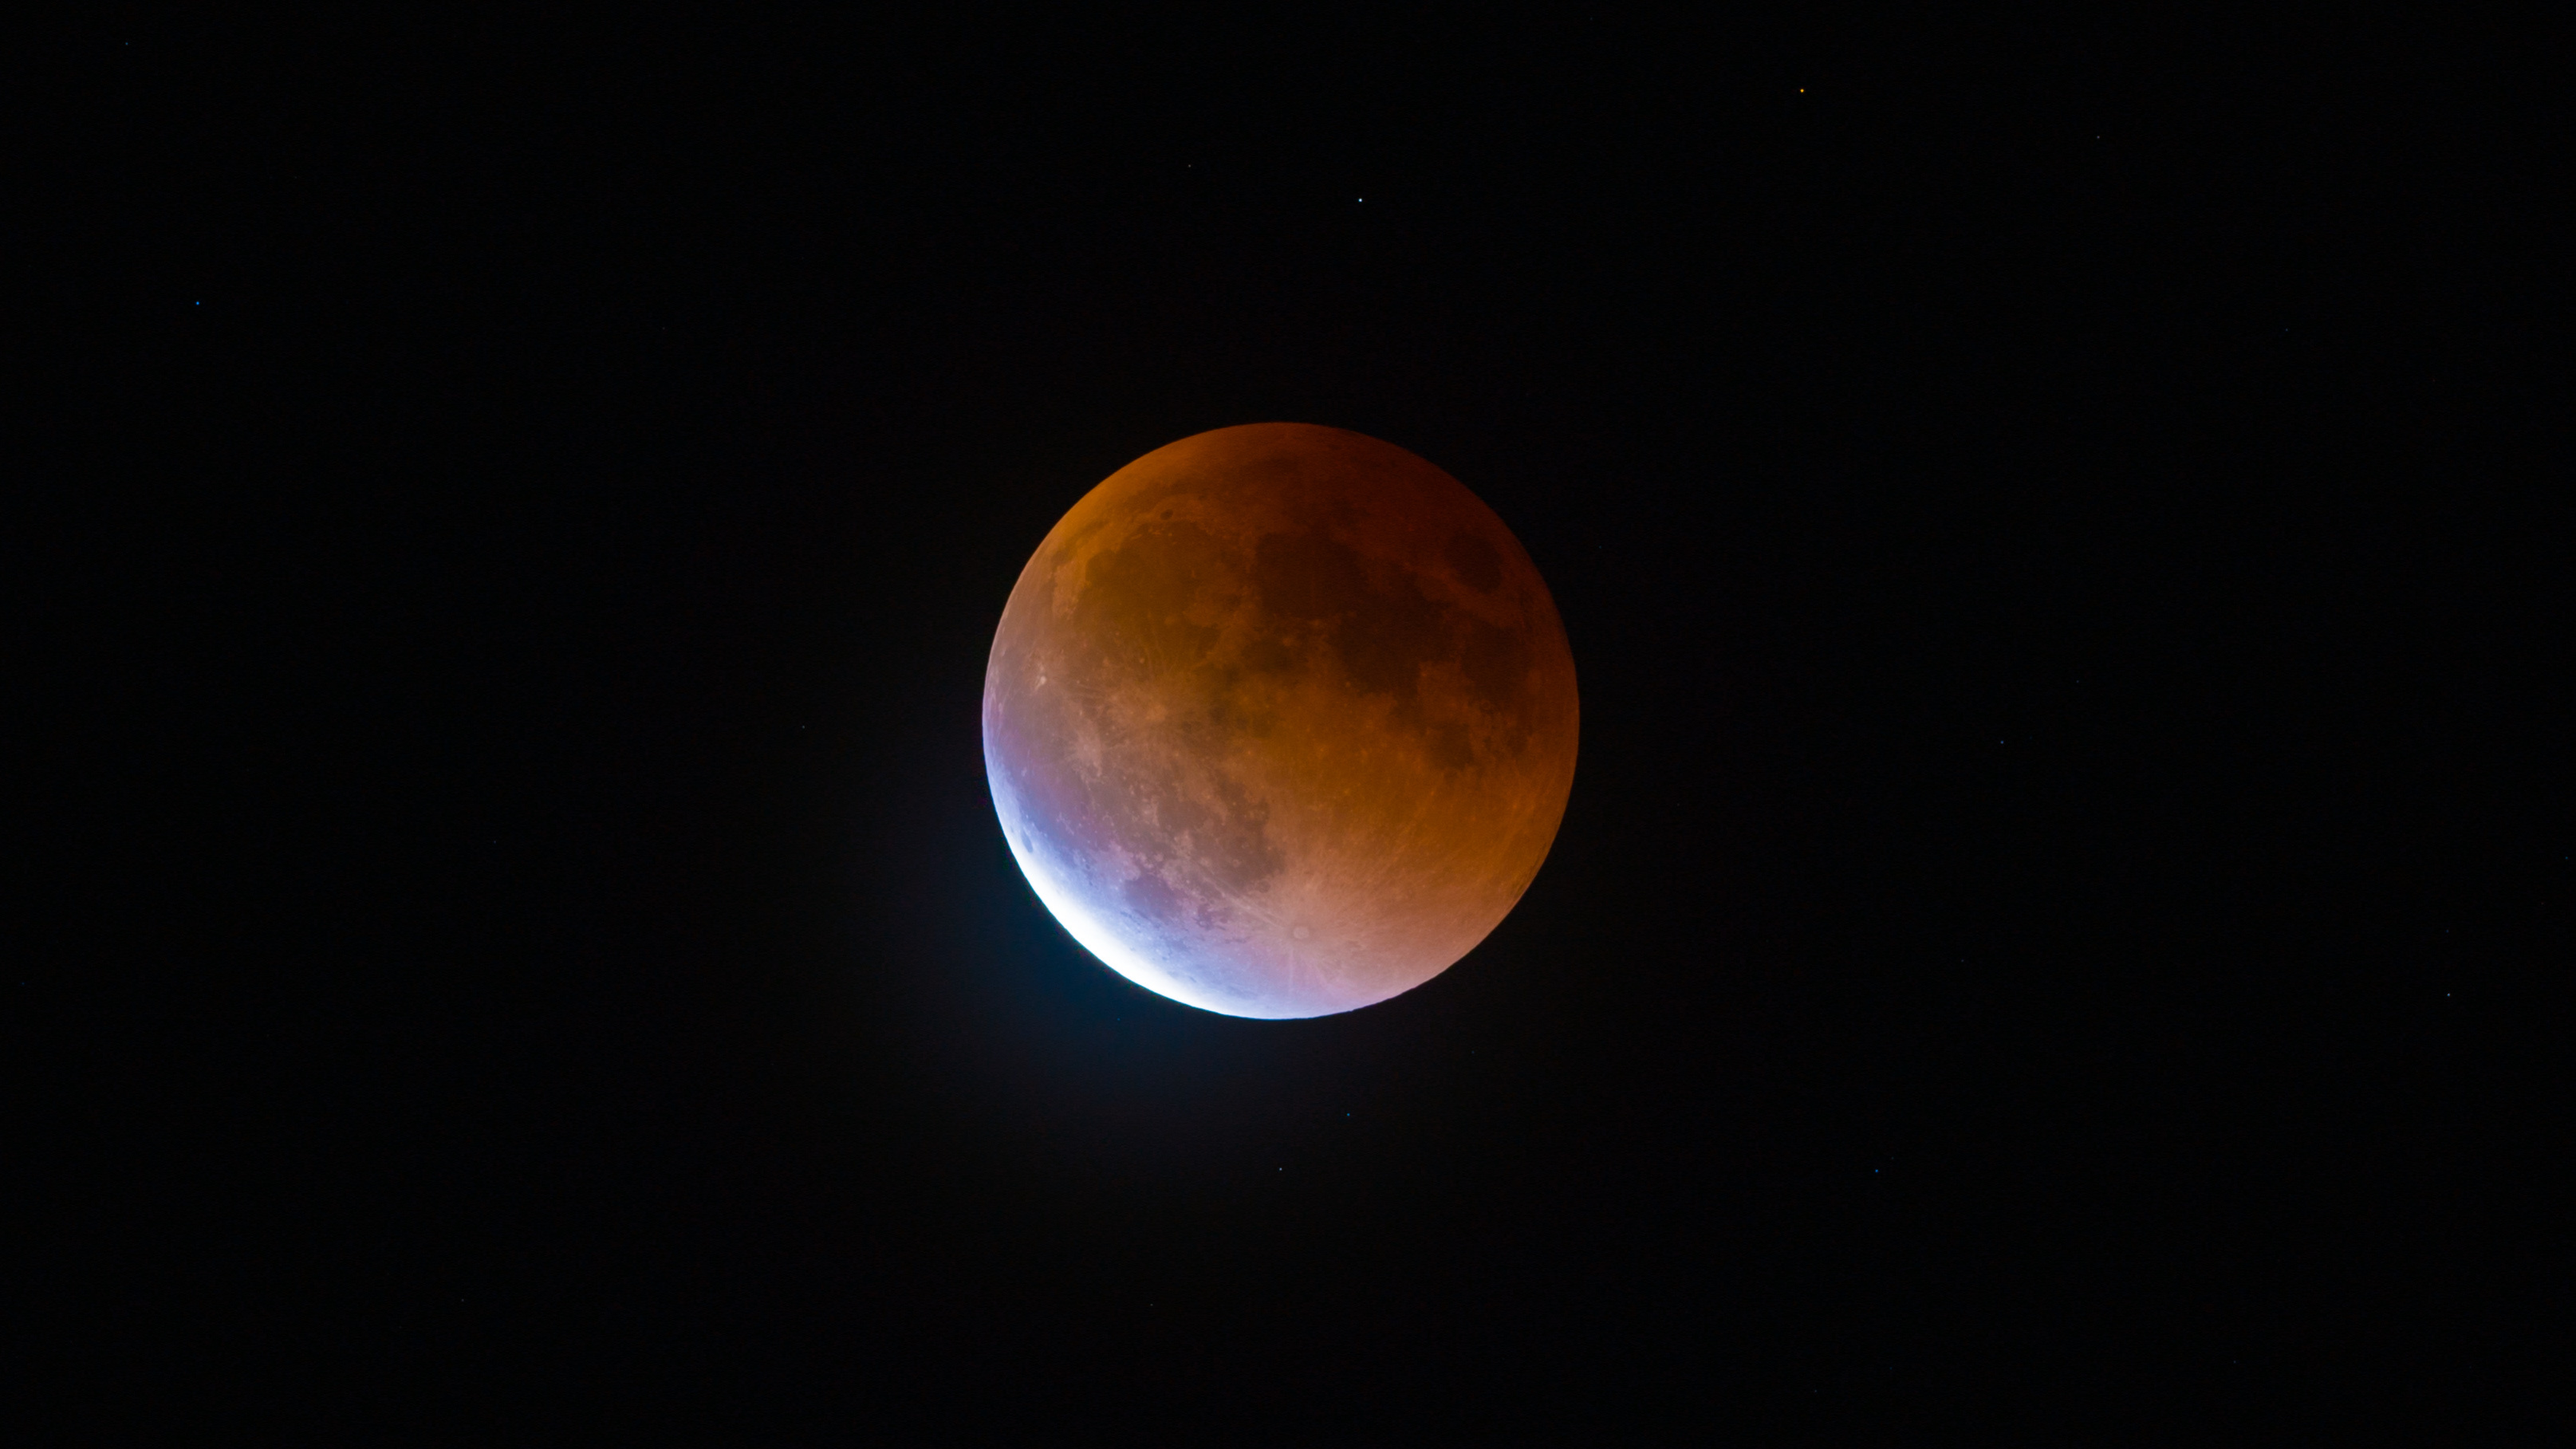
(1280, 721)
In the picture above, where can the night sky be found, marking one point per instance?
(2058, 572)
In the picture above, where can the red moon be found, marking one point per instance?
(1280, 721)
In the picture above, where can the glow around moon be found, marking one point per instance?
(1280, 721)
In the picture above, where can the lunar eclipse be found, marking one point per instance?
(1280, 721)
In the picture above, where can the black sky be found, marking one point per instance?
(2058, 572)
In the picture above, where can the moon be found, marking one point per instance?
(1280, 721)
